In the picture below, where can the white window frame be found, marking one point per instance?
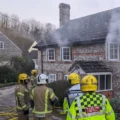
(109, 43)
(66, 76)
(47, 51)
(50, 78)
(104, 73)
(63, 55)
(1, 44)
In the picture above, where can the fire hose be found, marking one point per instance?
(11, 114)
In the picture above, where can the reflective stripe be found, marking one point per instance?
(89, 114)
(109, 112)
(42, 112)
(79, 106)
(46, 100)
(46, 105)
(19, 93)
(103, 103)
(52, 95)
(73, 117)
(32, 94)
(24, 106)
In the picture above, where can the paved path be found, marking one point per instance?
(7, 100)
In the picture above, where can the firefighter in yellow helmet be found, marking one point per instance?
(22, 97)
(33, 80)
(90, 106)
(42, 99)
(72, 92)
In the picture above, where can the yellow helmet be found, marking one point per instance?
(74, 78)
(22, 77)
(89, 83)
(34, 72)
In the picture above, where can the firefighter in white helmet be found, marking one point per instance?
(42, 99)
(33, 80)
(22, 97)
(90, 105)
(72, 92)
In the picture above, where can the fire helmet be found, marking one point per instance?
(34, 72)
(89, 83)
(22, 77)
(42, 79)
(74, 78)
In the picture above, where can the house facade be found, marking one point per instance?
(83, 39)
(7, 49)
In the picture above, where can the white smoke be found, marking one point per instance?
(114, 27)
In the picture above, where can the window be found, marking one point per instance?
(1, 45)
(66, 53)
(104, 81)
(66, 77)
(113, 51)
(52, 78)
(51, 54)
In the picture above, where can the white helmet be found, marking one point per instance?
(42, 79)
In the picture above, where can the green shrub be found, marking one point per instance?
(7, 74)
(22, 64)
(59, 87)
(115, 103)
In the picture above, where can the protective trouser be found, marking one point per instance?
(21, 116)
(47, 117)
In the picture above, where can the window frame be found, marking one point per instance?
(62, 50)
(47, 51)
(66, 76)
(51, 74)
(1, 42)
(118, 47)
(103, 73)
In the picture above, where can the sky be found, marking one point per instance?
(47, 11)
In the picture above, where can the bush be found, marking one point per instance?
(59, 87)
(22, 64)
(7, 74)
(115, 103)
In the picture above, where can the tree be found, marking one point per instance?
(22, 64)
(14, 22)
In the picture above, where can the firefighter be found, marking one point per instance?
(22, 97)
(33, 80)
(90, 106)
(42, 99)
(72, 92)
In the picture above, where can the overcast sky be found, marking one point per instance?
(46, 11)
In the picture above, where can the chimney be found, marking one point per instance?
(64, 13)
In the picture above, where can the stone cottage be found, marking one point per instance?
(7, 49)
(90, 42)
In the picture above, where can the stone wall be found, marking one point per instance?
(115, 67)
(60, 68)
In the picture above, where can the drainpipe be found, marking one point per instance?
(41, 61)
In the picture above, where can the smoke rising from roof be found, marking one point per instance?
(114, 27)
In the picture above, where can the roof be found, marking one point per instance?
(85, 30)
(91, 66)
(3, 37)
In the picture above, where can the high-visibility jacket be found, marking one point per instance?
(33, 81)
(22, 97)
(42, 97)
(70, 95)
(90, 106)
